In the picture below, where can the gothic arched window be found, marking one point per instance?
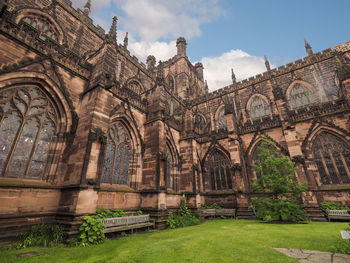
(221, 119)
(118, 156)
(135, 87)
(300, 96)
(200, 125)
(218, 172)
(42, 24)
(332, 158)
(27, 127)
(170, 169)
(259, 108)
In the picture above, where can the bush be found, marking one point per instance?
(212, 206)
(41, 235)
(281, 194)
(332, 206)
(342, 246)
(91, 231)
(107, 213)
(184, 218)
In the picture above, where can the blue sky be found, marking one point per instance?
(226, 33)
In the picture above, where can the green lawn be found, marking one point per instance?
(213, 241)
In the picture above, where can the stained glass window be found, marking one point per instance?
(218, 172)
(259, 108)
(221, 119)
(27, 127)
(47, 30)
(332, 158)
(300, 97)
(118, 156)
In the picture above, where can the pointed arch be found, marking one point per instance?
(172, 164)
(253, 151)
(122, 157)
(220, 117)
(135, 85)
(43, 22)
(301, 94)
(201, 124)
(329, 151)
(258, 107)
(34, 117)
(217, 168)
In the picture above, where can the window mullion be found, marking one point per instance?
(33, 150)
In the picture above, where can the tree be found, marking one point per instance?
(280, 193)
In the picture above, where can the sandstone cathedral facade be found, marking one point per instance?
(84, 124)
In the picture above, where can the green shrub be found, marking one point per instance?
(332, 206)
(139, 213)
(212, 206)
(107, 213)
(41, 235)
(91, 231)
(342, 246)
(281, 194)
(184, 218)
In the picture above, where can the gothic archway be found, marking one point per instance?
(218, 172)
(118, 157)
(332, 158)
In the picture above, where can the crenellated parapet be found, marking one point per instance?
(31, 37)
(276, 72)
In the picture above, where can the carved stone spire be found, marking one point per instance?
(87, 8)
(267, 63)
(233, 76)
(151, 62)
(206, 86)
(126, 40)
(112, 35)
(160, 73)
(308, 47)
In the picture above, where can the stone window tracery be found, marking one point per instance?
(118, 156)
(28, 123)
(200, 125)
(218, 172)
(259, 108)
(300, 97)
(221, 119)
(332, 158)
(135, 87)
(47, 30)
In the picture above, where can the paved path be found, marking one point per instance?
(309, 256)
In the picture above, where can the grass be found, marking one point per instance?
(213, 241)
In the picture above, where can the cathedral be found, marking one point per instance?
(84, 124)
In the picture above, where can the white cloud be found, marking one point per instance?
(154, 19)
(217, 70)
(151, 20)
(161, 50)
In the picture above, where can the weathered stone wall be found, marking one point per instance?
(166, 110)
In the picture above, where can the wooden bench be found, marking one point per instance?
(338, 214)
(119, 224)
(218, 212)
